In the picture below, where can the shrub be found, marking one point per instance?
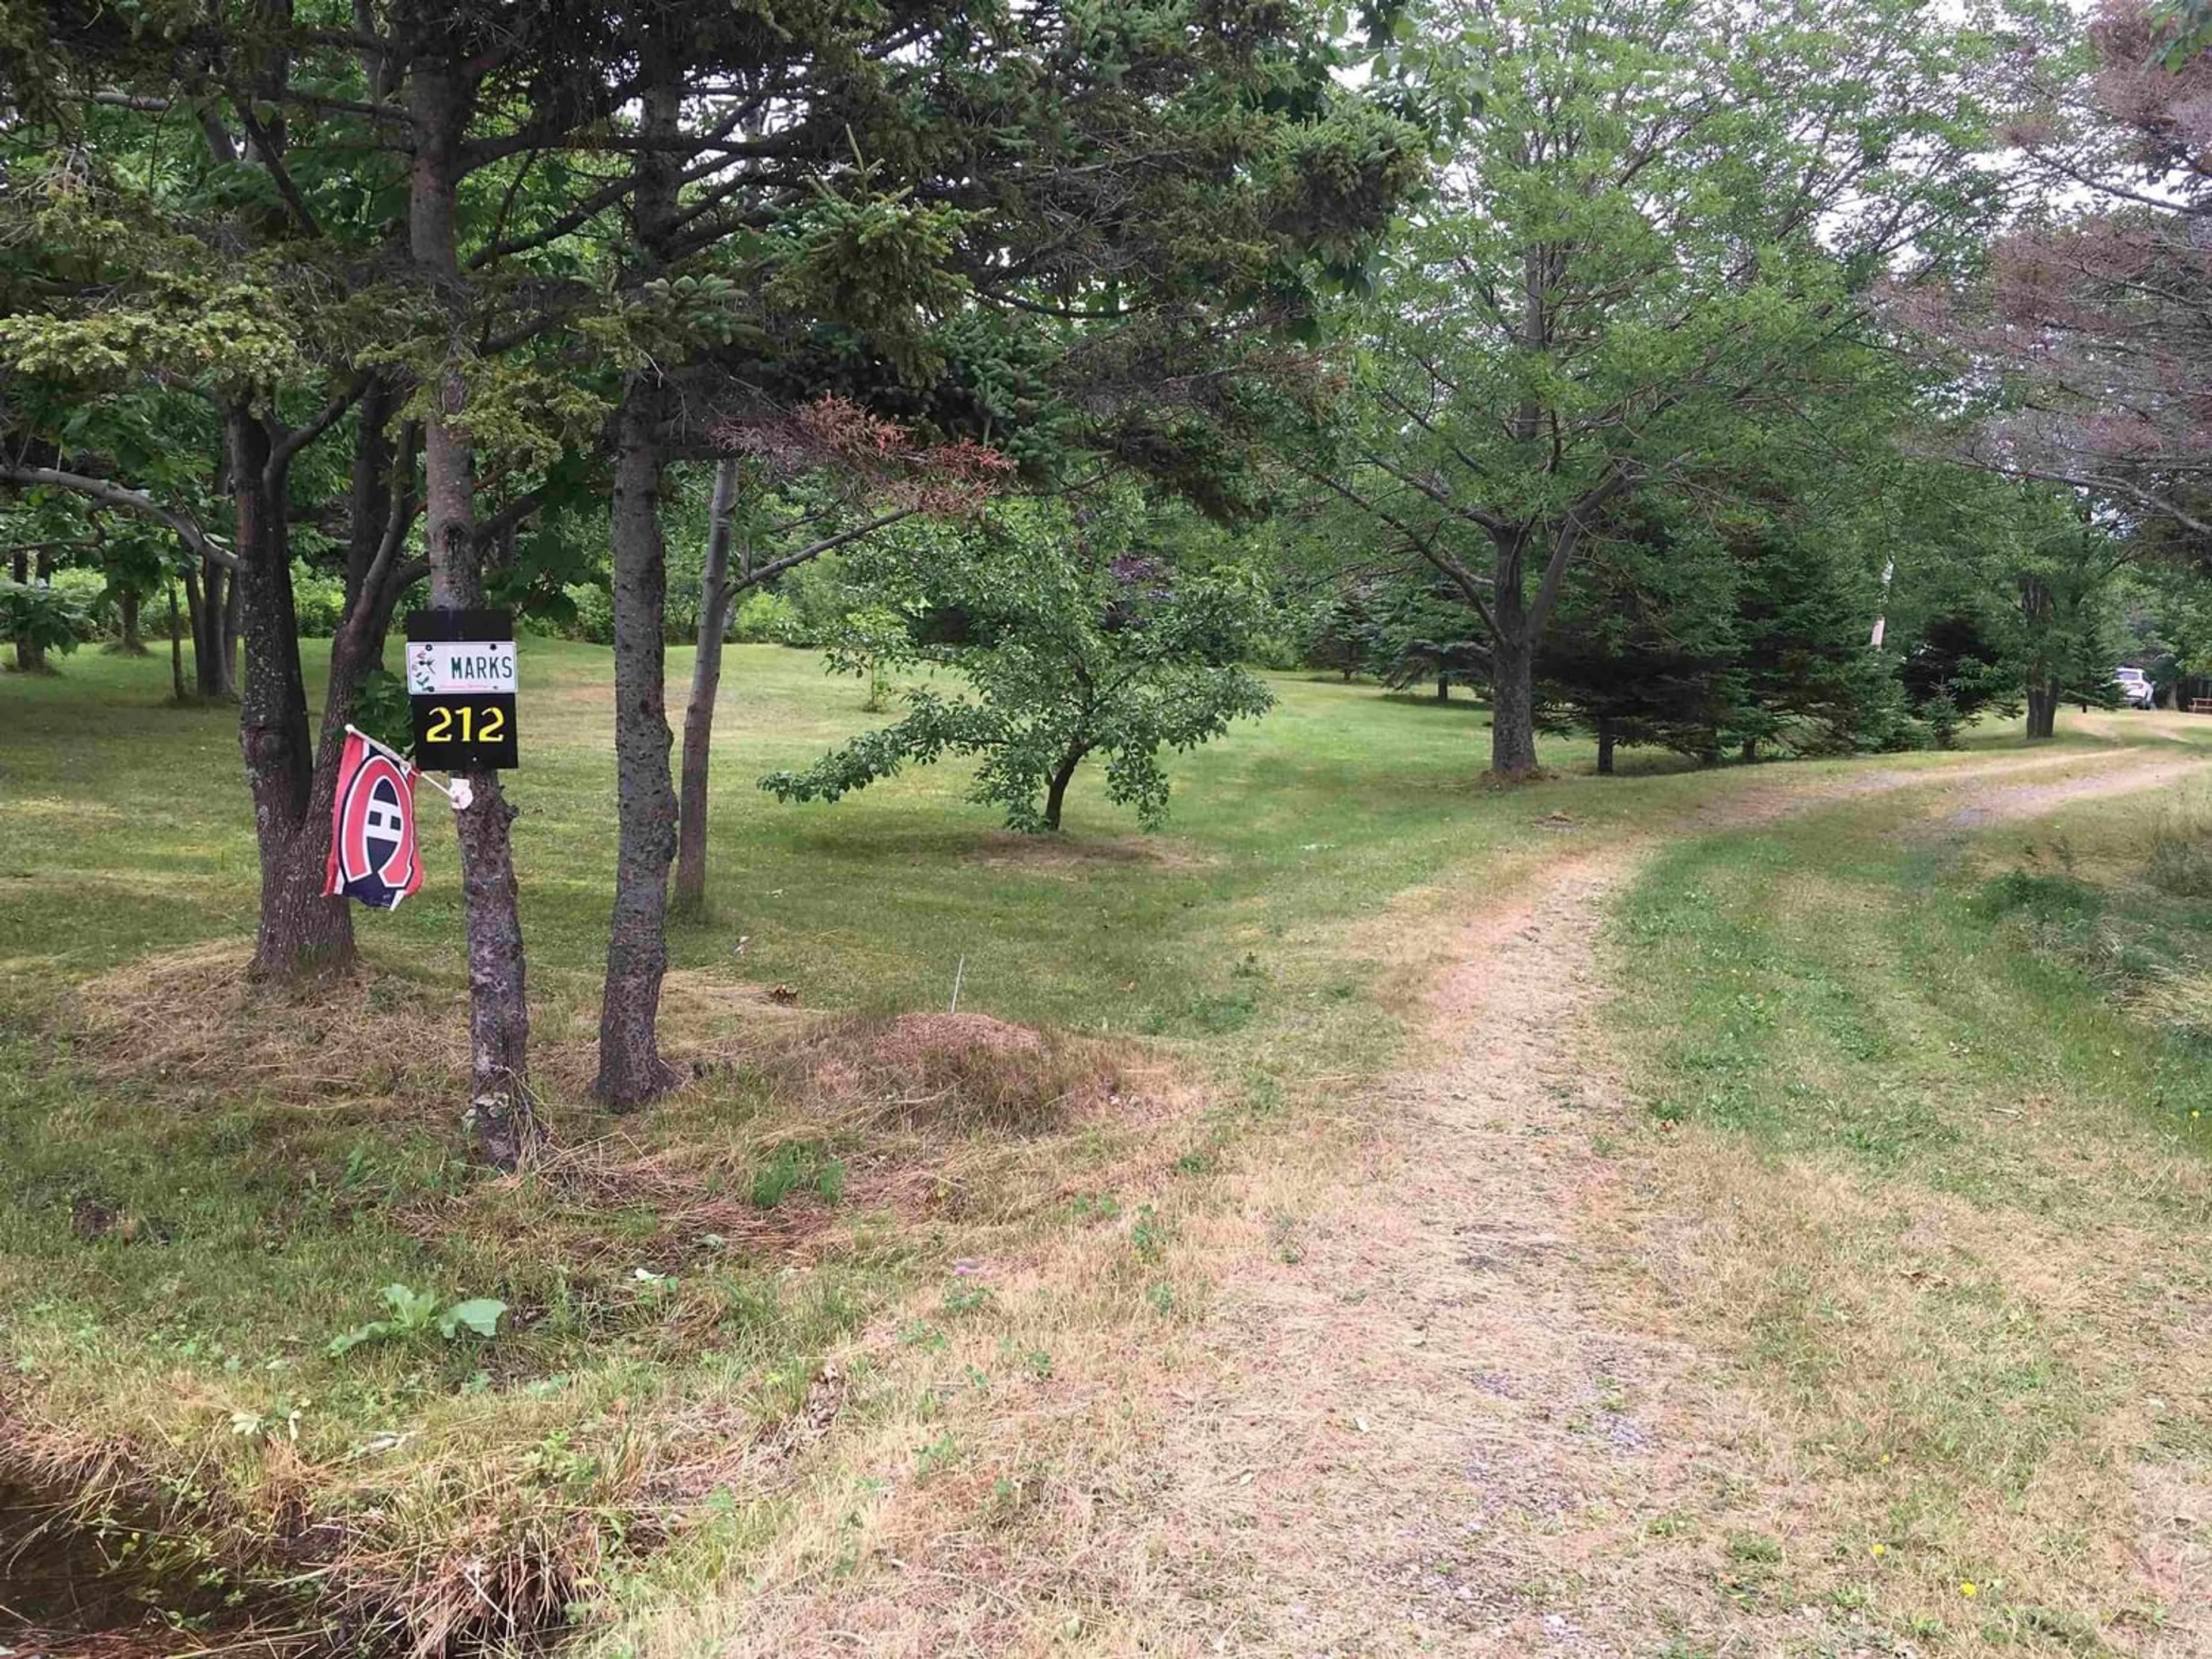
(766, 618)
(85, 595)
(318, 600)
(594, 621)
(46, 617)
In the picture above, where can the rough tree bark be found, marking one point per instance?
(2042, 710)
(715, 594)
(300, 932)
(210, 594)
(1605, 741)
(441, 99)
(631, 1070)
(1513, 671)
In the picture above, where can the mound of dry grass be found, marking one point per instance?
(193, 1018)
(937, 1076)
(913, 1115)
(491, 1509)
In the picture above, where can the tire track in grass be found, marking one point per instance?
(1449, 1414)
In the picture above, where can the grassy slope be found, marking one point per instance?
(178, 1241)
(1940, 1095)
(187, 1213)
(121, 806)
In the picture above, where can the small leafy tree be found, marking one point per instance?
(1097, 632)
(1342, 632)
(40, 618)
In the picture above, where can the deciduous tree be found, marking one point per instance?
(1101, 630)
(1657, 233)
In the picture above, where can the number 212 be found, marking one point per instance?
(489, 729)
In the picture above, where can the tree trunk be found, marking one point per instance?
(2042, 710)
(1513, 669)
(30, 656)
(1444, 689)
(715, 599)
(300, 932)
(631, 1070)
(500, 1113)
(1513, 710)
(1605, 745)
(208, 595)
(1512, 704)
(176, 647)
(370, 490)
(1750, 750)
(193, 605)
(130, 636)
(233, 612)
(2039, 608)
(1056, 795)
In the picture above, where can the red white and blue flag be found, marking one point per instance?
(373, 857)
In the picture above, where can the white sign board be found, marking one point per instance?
(437, 667)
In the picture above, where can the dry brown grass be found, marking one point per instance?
(460, 1536)
(1427, 1369)
(1071, 858)
(192, 1018)
(1439, 1373)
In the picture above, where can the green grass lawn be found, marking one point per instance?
(198, 1194)
(1951, 1087)
(122, 808)
(195, 1199)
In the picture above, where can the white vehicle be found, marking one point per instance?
(2135, 687)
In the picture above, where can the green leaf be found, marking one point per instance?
(410, 1309)
(479, 1314)
(375, 1331)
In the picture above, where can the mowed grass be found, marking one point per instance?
(1936, 1095)
(198, 1192)
(946, 1271)
(127, 829)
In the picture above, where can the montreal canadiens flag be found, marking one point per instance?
(373, 857)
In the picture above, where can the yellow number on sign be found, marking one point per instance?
(477, 725)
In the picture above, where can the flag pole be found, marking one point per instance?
(458, 801)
